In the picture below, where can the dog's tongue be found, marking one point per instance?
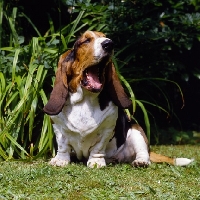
(92, 77)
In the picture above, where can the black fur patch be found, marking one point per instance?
(122, 126)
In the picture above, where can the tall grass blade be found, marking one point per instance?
(63, 42)
(2, 154)
(2, 87)
(155, 105)
(166, 80)
(1, 20)
(52, 30)
(15, 63)
(126, 84)
(31, 116)
(13, 141)
(10, 100)
(34, 27)
(162, 92)
(11, 21)
(146, 118)
(46, 139)
(75, 23)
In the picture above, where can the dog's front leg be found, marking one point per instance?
(62, 157)
(97, 151)
(96, 160)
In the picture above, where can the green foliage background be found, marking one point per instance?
(154, 41)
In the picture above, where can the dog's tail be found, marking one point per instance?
(157, 158)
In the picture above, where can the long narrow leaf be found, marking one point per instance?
(12, 27)
(146, 118)
(34, 27)
(166, 80)
(155, 105)
(32, 116)
(1, 20)
(75, 23)
(127, 86)
(4, 93)
(15, 143)
(14, 95)
(3, 154)
(15, 63)
(2, 84)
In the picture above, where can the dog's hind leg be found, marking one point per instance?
(135, 150)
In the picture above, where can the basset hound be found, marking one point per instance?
(86, 108)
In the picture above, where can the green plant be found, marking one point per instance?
(25, 73)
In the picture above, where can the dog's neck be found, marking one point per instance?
(80, 94)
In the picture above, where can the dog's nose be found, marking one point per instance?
(107, 45)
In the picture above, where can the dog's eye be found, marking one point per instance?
(87, 40)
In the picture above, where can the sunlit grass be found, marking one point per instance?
(38, 180)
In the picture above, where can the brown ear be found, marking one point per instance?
(60, 90)
(113, 89)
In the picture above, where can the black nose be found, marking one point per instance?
(107, 45)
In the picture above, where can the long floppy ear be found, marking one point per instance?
(60, 90)
(113, 90)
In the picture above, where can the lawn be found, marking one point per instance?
(38, 180)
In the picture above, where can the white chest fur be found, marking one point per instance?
(83, 125)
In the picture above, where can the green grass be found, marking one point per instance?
(38, 180)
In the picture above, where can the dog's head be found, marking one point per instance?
(88, 64)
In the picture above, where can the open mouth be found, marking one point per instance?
(91, 79)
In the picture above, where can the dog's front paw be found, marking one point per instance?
(96, 161)
(58, 162)
(140, 163)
